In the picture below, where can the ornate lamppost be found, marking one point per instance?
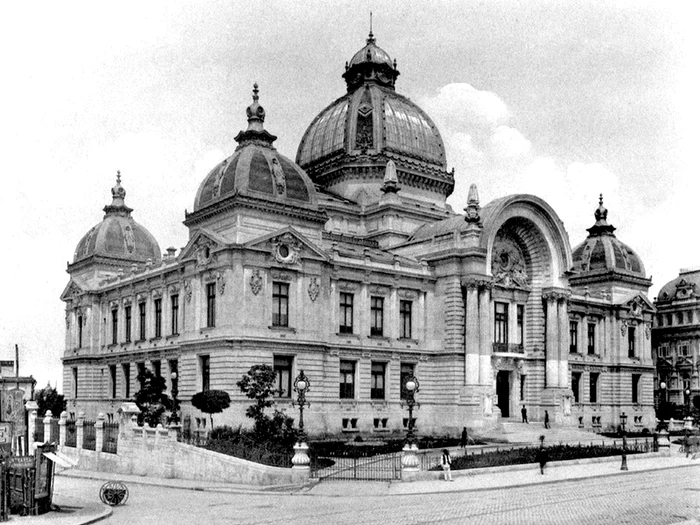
(662, 403)
(174, 418)
(409, 460)
(662, 441)
(687, 402)
(623, 422)
(301, 449)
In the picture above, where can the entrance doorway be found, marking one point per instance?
(503, 392)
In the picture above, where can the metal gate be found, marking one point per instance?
(350, 467)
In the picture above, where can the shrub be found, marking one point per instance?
(211, 402)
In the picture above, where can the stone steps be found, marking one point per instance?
(517, 432)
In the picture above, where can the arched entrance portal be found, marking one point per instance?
(503, 392)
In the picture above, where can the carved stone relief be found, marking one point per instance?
(314, 288)
(286, 249)
(508, 264)
(256, 282)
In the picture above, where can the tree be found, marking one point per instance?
(211, 402)
(151, 398)
(48, 398)
(259, 384)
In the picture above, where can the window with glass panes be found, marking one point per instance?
(347, 379)
(115, 326)
(204, 370)
(591, 338)
(406, 319)
(576, 386)
(211, 305)
(636, 381)
(573, 337)
(377, 381)
(158, 312)
(346, 307)
(520, 318)
(407, 370)
(112, 381)
(282, 365)
(126, 376)
(75, 382)
(280, 304)
(156, 368)
(593, 387)
(376, 316)
(127, 324)
(631, 341)
(142, 321)
(174, 313)
(80, 331)
(500, 323)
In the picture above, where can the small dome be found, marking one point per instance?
(371, 53)
(603, 251)
(685, 286)
(118, 236)
(256, 169)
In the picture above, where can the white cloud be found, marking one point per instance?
(508, 143)
(461, 107)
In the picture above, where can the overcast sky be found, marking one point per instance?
(564, 100)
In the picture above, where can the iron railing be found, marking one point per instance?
(111, 438)
(39, 430)
(89, 438)
(354, 466)
(71, 433)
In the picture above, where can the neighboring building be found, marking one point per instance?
(349, 265)
(676, 339)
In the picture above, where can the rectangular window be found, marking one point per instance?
(115, 326)
(142, 321)
(631, 341)
(211, 305)
(74, 370)
(636, 382)
(346, 305)
(576, 386)
(140, 371)
(679, 317)
(280, 304)
(522, 387)
(156, 368)
(376, 316)
(669, 319)
(80, 331)
(593, 387)
(174, 313)
(113, 381)
(407, 370)
(126, 373)
(377, 381)
(591, 338)
(573, 337)
(406, 319)
(283, 374)
(172, 365)
(158, 310)
(347, 379)
(204, 369)
(520, 318)
(683, 350)
(500, 323)
(127, 324)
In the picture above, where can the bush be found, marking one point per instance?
(244, 444)
(211, 402)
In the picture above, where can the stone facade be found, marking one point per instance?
(361, 275)
(676, 339)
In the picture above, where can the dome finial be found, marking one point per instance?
(255, 92)
(601, 225)
(255, 112)
(472, 210)
(118, 193)
(370, 39)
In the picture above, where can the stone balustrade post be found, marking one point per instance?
(32, 407)
(99, 432)
(664, 443)
(173, 430)
(79, 430)
(62, 428)
(47, 426)
(128, 420)
(410, 463)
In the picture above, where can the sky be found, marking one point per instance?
(564, 100)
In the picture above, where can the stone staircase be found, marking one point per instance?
(514, 431)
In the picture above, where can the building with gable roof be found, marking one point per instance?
(348, 264)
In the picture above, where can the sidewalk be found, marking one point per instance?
(74, 511)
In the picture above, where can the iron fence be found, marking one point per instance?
(111, 438)
(89, 437)
(39, 430)
(354, 466)
(55, 431)
(71, 433)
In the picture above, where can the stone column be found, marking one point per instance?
(99, 432)
(563, 313)
(551, 347)
(79, 431)
(485, 339)
(47, 426)
(62, 428)
(472, 350)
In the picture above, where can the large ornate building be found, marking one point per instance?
(676, 340)
(348, 264)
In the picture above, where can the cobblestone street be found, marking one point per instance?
(655, 498)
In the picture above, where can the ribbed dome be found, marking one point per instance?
(256, 169)
(118, 236)
(685, 286)
(603, 251)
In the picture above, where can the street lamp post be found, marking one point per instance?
(662, 403)
(301, 458)
(409, 460)
(411, 387)
(687, 402)
(623, 422)
(175, 418)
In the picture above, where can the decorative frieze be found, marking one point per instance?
(347, 286)
(408, 294)
(376, 289)
(278, 275)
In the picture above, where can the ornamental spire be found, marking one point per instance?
(118, 193)
(472, 210)
(256, 117)
(370, 39)
(601, 226)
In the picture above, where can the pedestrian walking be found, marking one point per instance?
(523, 411)
(446, 464)
(465, 437)
(542, 456)
(546, 419)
